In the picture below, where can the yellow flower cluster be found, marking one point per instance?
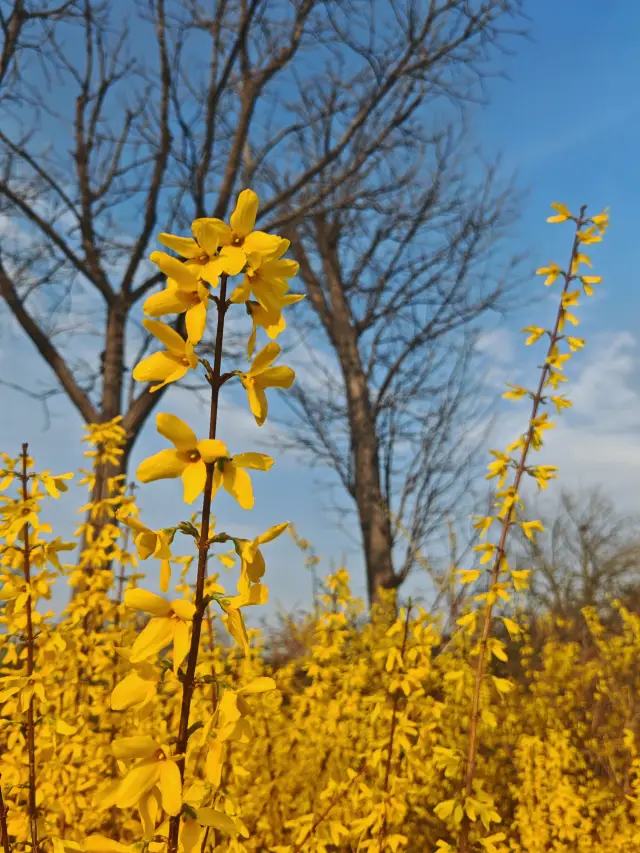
(136, 722)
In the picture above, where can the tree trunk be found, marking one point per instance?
(111, 405)
(372, 508)
(367, 490)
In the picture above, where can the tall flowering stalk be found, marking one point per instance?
(475, 803)
(212, 257)
(23, 562)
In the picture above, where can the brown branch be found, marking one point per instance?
(46, 349)
(31, 738)
(162, 156)
(472, 750)
(188, 683)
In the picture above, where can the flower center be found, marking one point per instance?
(193, 456)
(237, 241)
(204, 258)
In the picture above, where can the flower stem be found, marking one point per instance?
(31, 742)
(188, 684)
(392, 732)
(4, 832)
(472, 751)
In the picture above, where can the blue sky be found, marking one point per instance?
(567, 122)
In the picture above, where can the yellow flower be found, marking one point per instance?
(266, 278)
(184, 293)
(151, 542)
(230, 472)
(271, 321)
(154, 768)
(138, 688)
(253, 565)
(238, 239)
(563, 213)
(552, 272)
(187, 461)
(169, 624)
(201, 253)
(233, 621)
(169, 365)
(261, 376)
(54, 484)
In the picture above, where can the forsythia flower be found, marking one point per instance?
(261, 376)
(167, 366)
(136, 689)
(253, 565)
(184, 294)
(154, 768)
(201, 253)
(239, 240)
(272, 322)
(151, 543)
(230, 472)
(186, 461)
(170, 623)
(267, 278)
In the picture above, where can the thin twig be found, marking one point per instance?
(4, 832)
(392, 732)
(203, 553)
(463, 842)
(31, 742)
(333, 803)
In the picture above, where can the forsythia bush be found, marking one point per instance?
(130, 723)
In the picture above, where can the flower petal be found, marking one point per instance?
(176, 430)
(157, 367)
(243, 217)
(101, 844)
(194, 478)
(183, 609)
(138, 781)
(257, 402)
(169, 337)
(235, 626)
(181, 640)
(160, 466)
(190, 834)
(170, 786)
(211, 233)
(175, 269)
(265, 358)
(272, 533)
(258, 685)
(210, 273)
(277, 377)
(168, 301)
(242, 292)
(149, 602)
(268, 245)
(138, 746)
(148, 808)
(238, 483)
(156, 636)
(196, 322)
(216, 819)
(165, 575)
(231, 260)
(257, 461)
(211, 449)
(132, 690)
(185, 246)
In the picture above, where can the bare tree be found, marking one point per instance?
(25, 32)
(340, 116)
(588, 555)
